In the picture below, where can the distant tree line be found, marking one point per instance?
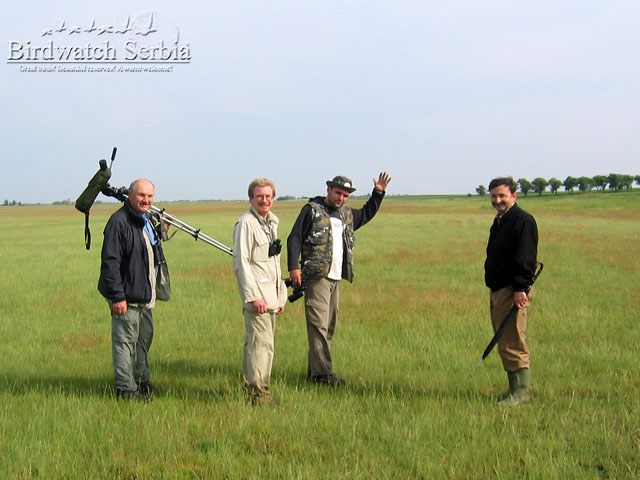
(615, 182)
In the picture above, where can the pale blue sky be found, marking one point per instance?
(442, 95)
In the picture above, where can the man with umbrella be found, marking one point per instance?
(509, 273)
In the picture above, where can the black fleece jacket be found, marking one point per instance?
(124, 273)
(511, 251)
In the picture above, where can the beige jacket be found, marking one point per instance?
(258, 274)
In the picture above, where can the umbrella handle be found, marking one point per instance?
(538, 270)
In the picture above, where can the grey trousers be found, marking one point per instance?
(321, 306)
(131, 337)
(257, 355)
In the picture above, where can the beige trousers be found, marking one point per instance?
(257, 357)
(512, 346)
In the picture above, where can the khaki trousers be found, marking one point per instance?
(512, 346)
(321, 306)
(258, 351)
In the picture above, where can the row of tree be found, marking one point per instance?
(615, 182)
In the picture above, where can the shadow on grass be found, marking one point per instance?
(376, 388)
(16, 384)
(179, 379)
(204, 382)
(190, 379)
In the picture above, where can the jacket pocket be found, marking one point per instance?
(261, 252)
(269, 294)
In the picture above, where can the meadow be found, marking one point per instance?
(412, 329)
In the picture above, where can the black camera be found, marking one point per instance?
(297, 291)
(275, 247)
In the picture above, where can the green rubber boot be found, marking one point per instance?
(519, 383)
(501, 396)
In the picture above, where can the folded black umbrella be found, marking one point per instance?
(508, 320)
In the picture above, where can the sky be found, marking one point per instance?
(442, 95)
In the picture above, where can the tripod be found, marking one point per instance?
(162, 216)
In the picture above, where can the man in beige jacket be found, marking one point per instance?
(256, 263)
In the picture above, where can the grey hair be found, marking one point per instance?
(134, 184)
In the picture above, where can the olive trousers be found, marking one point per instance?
(131, 337)
(322, 300)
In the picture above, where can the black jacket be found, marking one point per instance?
(511, 251)
(302, 226)
(124, 273)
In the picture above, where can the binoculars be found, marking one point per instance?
(297, 291)
(275, 247)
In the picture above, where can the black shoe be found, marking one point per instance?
(148, 388)
(331, 379)
(132, 395)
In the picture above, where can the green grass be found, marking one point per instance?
(413, 326)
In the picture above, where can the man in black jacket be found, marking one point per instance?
(323, 235)
(127, 281)
(509, 271)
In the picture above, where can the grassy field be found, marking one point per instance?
(413, 327)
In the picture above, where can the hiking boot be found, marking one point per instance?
(259, 396)
(132, 395)
(264, 399)
(331, 379)
(148, 388)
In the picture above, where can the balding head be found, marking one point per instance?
(140, 195)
